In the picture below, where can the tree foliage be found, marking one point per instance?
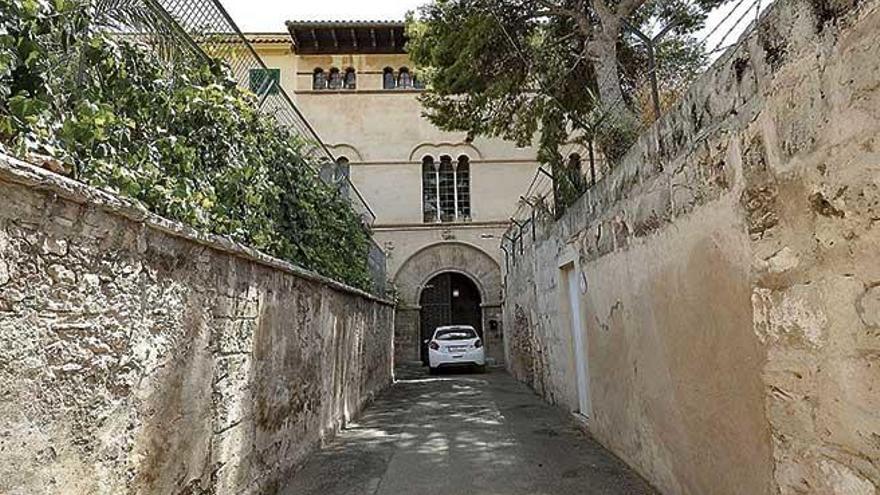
(179, 136)
(552, 70)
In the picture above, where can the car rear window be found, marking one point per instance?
(455, 334)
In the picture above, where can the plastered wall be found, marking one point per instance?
(732, 262)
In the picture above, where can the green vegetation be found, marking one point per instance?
(178, 135)
(555, 72)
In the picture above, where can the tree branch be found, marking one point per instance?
(626, 8)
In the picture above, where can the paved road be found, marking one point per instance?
(459, 434)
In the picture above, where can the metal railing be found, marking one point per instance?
(204, 30)
(551, 192)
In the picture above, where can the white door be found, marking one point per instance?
(579, 339)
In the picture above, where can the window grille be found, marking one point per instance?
(446, 190)
(319, 80)
(388, 81)
(430, 179)
(350, 78)
(463, 188)
(335, 80)
(404, 78)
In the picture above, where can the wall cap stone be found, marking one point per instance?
(17, 171)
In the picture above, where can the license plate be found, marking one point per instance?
(456, 349)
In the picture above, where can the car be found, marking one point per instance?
(456, 346)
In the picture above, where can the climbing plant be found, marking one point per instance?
(176, 133)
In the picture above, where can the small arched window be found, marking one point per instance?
(447, 189)
(404, 78)
(350, 78)
(341, 175)
(463, 188)
(430, 179)
(319, 79)
(388, 81)
(335, 80)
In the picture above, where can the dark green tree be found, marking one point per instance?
(571, 69)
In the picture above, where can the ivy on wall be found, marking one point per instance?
(178, 135)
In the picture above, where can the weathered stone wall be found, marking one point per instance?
(137, 356)
(732, 312)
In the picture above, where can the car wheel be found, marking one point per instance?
(481, 368)
(432, 370)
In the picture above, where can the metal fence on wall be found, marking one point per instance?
(203, 30)
(550, 192)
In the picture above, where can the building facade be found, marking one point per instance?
(442, 202)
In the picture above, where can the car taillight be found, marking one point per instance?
(434, 345)
(478, 344)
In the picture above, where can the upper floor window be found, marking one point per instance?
(342, 174)
(335, 80)
(350, 78)
(264, 81)
(388, 81)
(446, 189)
(319, 79)
(404, 79)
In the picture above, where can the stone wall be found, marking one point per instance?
(732, 260)
(138, 356)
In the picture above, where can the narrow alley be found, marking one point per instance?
(463, 434)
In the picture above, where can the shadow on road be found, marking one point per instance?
(462, 432)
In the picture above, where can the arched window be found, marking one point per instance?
(463, 188)
(388, 81)
(430, 179)
(341, 175)
(446, 189)
(350, 78)
(404, 78)
(335, 80)
(319, 79)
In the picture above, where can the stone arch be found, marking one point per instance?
(435, 259)
(347, 151)
(449, 256)
(452, 149)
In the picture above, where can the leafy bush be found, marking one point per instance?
(181, 137)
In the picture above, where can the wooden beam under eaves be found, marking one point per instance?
(315, 39)
(373, 37)
(354, 38)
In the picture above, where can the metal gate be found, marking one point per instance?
(448, 299)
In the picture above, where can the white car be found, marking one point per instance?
(456, 345)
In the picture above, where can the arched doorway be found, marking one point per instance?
(449, 298)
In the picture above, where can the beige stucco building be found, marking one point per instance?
(441, 201)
